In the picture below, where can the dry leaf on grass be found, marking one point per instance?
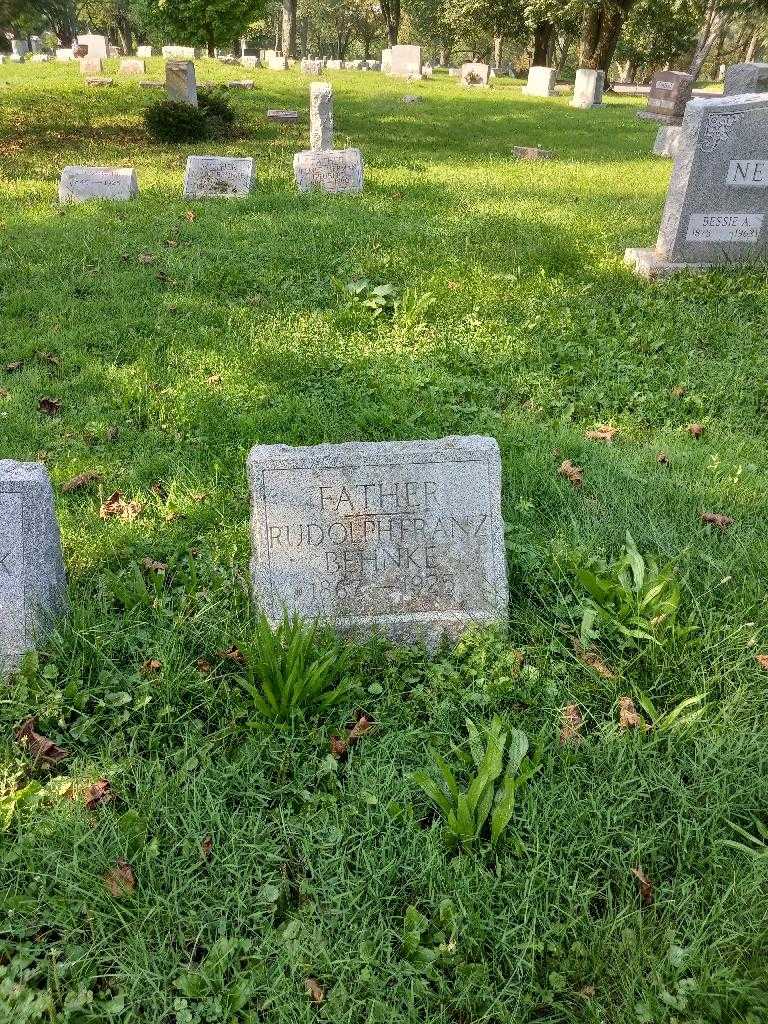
(644, 885)
(152, 566)
(203, 665)
(40, 747)
(572, 473)
(49, 357)
(233, 654)
(151, 665)
(605, 434)
(120, 880)
(13, 367)
(715, 519)
(762, 661)
(360, 727)
(573, 723)
(145, 257)
(679, 392)
(628, 715)
(4, 393)
(695, 429)
(98, 793)
(190, 215)
(90, 476)
(315, 990)
(206, 848)
(339, 747)
(593, 661)
(215, 378)
(49, 406)
(663, 459)
(118, 507)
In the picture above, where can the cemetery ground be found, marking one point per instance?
(231, 869)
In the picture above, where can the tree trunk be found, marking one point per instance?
(304, 37)
(708, 33)
(391, 11)
(211, 43)
(543, 35)
(601, 31)
(749, 53)
(289, 28)
(498, 46)
(565, 49)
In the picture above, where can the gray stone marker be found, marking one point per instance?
(312, 66)
(403, 538)
(715, 213)
(78, 184)
(242, 83)
(320, 116)
(214, 176)
(588, 89)
(91, 66)
(475, 75)
(132, 66)
(405, 62)
(283, 116)
(331, 170)
(33, 588)
(743, 78)
(179, 52)
(250, 61)
(670, 92)
(541, 81)
(99, 81)
(667, 140)
(180, 82)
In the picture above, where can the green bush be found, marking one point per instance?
(169, 121)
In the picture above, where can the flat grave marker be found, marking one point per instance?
(218, 176)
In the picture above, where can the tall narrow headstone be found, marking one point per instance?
(180, 82)
(715, 213)
(404, 537)
(541, 81)
(743, 78)
(33, 588)
(670, 92)
(320, 116)
(588, 89)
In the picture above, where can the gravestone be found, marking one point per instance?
(667, 140)
(541, 81)
(330, 170)
(312, 66)
(742, 78)
(276, 61)
(97, 45)
(283, 116)
(474, 74)
(532, 153)
(454, 72)
(588, 89)
(403, 538)
(132, 66)
(386, 61)
(33, 587)
(91, 66)
(36, 43)
(320, 116)
(180, 82)
(334, 65)
(250, 61)
(143, 51)
(212, 176)
(99, 81)
(19, 47)
(64, 53)
(717, 200)
(405, 61)
(78, 183)
(670, 92)
(242, 83)
(179, 52)
(39, 58)
(427, 71)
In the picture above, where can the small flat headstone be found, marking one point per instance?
(152, 85)
(132, 66)
(91, 65)
(79, 184)
(99, 81)
(33, 588)
(411, 99)
(404, 538)
(283, 116)
(330, 170)
(715, 213)
(218, 176)
(242, 83)
(532, 153)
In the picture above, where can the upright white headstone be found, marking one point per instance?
(132, 66)
(405, 61)
(330, 170)
(180, 82)
(474, 74)
(404, 538)
(143, 52)
(541, 81)
(97, 45)
(320, 116)
(588, 89)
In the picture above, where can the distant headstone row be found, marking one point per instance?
(403, 538)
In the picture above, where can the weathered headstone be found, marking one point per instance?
(180, 82)
(250, 61)
(588, 89)
(132, 66)
(330, 170)
(173, 52)
(151, 85)
(143, 51)
(386, 61)
(312, 66)
(276, 61)
(91, 66)
(33, 587)
(241, 83)
(474, 74)
(99, 81)
(715, 213)
(320, 116)
(743, 78)
(405, 62)
(670, 92)
(64, 53)
(40, 58)
(78, 183)
(403, 538)
(454, 72)
(19, 47)
(213, 176)
(532, 153)
(283, 116)
(334, 65)
(541, 81)
(667, 140)
(36, 43)
(97, 45)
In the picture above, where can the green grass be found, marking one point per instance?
(237, 334)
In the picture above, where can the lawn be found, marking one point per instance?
(270, 881)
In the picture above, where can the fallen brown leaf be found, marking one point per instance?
(203, 665)
(13, 367)
(695, 429)
(663, 459)
(362, 726)
(206, 848)
(215, 378)
(628, 715)
(315, 990)
(112, 434)
(605, 434)
(120, 880)
(593, 660)
(145, 257)
(4, 393)
(40, 747)
(116, 506)
(644, 885)
(90, 476)
(587, 991)
(762, 661)
(715, 519)
(573, 723)
(679, 392)
(572, 473)
(233, 654)
(152, 566)
(97, 794)
(190, 215)
(339, 748)
(49, 406)
(49, 357)
(151, 665)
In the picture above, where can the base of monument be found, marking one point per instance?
(587, 106)
(650, 264)
(660, 118)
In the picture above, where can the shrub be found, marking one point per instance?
(169, 121)
(216, 106)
